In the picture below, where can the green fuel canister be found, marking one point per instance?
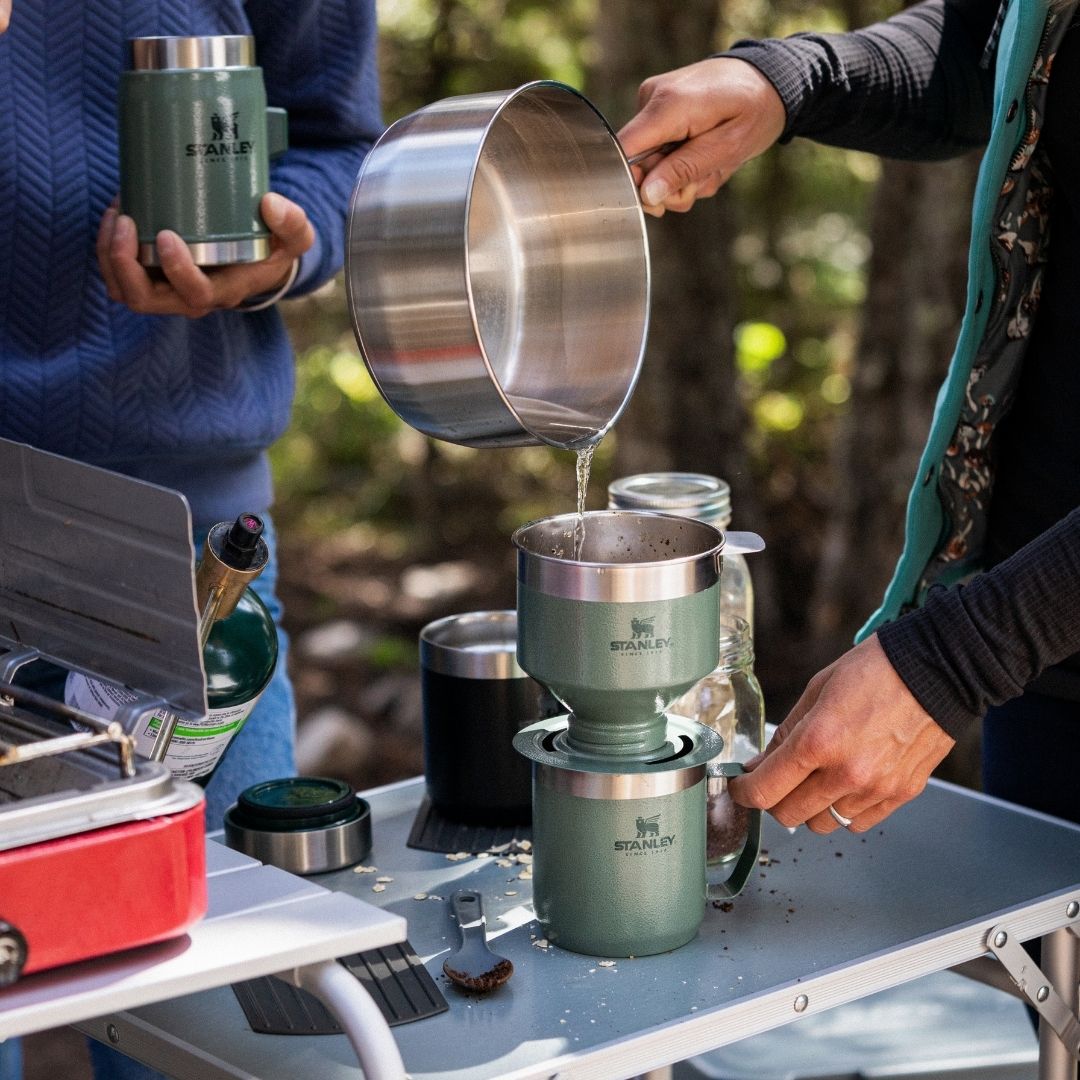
(240, 651)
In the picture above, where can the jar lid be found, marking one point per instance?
(297, 802)
(692, 495)
(474, 645)
(303, 824)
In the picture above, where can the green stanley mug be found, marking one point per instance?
(619, 848)
(196, 138)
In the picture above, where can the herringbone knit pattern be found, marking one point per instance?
(192, 404)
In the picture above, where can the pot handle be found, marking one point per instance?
(663, 148)
(740, 873)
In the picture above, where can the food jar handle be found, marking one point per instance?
(277, 132)
(740, 873)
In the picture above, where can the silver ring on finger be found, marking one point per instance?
(843, 822)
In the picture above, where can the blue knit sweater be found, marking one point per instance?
(191, 404)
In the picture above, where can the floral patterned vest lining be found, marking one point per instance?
(1019, 246)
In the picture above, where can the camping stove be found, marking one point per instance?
(100, 849)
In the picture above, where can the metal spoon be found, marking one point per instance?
(474, 966)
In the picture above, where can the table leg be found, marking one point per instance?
(356, 1012)
(1060, 962)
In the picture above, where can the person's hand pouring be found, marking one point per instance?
(722, 111)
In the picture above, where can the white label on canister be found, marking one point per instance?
(196, 746)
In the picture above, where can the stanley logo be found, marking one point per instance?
(224, 141)
(648, 837)
(642, 637)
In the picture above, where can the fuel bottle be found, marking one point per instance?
(240, 651)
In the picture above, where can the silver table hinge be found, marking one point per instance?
(1035, 987)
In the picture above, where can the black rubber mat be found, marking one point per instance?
(433, 832)
(396, 979)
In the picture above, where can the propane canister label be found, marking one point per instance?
(196, 746)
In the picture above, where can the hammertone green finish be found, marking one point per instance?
(620, 877)
(625, 876)
(194, 152)
(617, 666)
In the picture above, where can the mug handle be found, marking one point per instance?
(277, 132)
(740, 873)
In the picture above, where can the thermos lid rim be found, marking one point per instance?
(472, 645)
(185, 53)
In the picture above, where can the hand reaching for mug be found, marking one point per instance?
(191, 290)
(723, 111)
(856, 740)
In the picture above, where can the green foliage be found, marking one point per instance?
(339, 423)
(432, 49)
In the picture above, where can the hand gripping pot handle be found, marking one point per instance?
(733, 884)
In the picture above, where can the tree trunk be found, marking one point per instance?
(686, 414)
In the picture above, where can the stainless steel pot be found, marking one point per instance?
(497, 269)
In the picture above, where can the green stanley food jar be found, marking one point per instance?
(240, 652)
(196, 138)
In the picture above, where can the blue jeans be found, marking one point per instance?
(262, 751)
(10, 1060)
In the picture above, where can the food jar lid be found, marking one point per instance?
(297, 802)
(303, 824)
(694, 495)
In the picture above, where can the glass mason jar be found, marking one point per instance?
(728, 700)
(699, 496)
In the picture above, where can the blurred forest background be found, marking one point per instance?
(801, 323)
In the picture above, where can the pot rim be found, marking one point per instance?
(508, 100)
(527, 432)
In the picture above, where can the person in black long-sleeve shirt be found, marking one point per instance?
(999, 642)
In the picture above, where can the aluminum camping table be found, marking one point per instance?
(260, 921)
(951, 877)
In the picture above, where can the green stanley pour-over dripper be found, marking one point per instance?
(620, 629)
